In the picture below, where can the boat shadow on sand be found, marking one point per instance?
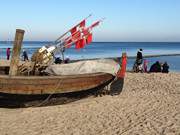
(22, 101)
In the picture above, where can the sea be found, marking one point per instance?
(110, 50)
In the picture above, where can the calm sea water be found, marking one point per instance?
(111, 49)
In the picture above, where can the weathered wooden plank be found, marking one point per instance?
(16, 52)
(48, 85)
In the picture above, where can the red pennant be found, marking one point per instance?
(82, 24)
(85, 32)
(77, 45)
(73, 30)
(89, 38)
(83, 42)
(80, 44)
(76, 35)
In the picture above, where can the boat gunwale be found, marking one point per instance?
(54, 77)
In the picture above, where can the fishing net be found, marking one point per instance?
(84, 67)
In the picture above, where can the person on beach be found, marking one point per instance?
(156, 67)
(145, 66)
(8, 52)
(139, 57)
(66, 60)
(25, 55)
(58, 60)
(165, 68)
(138, 65)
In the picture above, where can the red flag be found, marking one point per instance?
(82, 24)
(86, 32)
(95, 24)
(77, 45)
(80, 44)
(89, 38)
(76, 35)
(73, 30)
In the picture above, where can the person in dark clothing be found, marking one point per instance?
(58, 60)
(165, 68)
(139, 58)
(139, 54)
(67, 60)
(25, 55)
(156, 67)
(138, 64)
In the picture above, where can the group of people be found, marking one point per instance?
(158, 67)
(142, 65)
(24, 54)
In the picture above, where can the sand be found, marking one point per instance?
(148, 104)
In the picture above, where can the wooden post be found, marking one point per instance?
(16, 52)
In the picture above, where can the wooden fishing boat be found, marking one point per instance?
(31, 91)
(43, 85)
(20, 85)
(35, 85)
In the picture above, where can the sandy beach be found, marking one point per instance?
(148, 104)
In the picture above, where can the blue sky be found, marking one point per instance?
(126, 20)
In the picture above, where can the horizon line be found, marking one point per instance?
(101, 41)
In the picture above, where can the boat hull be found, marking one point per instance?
(35, 85)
